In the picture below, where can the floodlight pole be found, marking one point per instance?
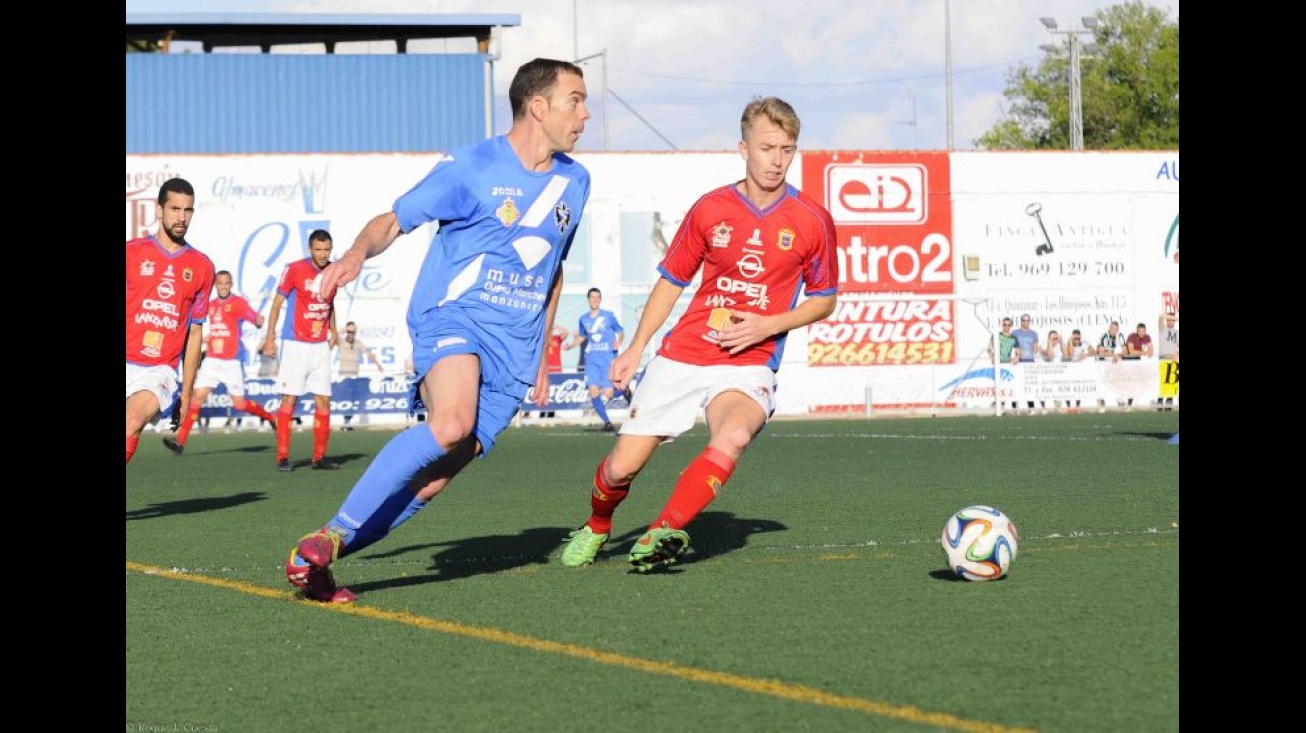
(947, 43)
(1076, 94)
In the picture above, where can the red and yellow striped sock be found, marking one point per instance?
(696, 488)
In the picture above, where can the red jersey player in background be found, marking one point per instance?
(553, 356)
(223, 360)
(758, 242)
(168, 284)
(553, 349)
(307, 338)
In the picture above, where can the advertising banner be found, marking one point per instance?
(893, 216)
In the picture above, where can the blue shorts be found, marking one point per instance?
(499, 396)
(597, 366)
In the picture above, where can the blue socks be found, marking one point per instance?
(382, 499)
(600, 409)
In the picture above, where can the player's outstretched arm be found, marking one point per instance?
(376, 237)
(656, 310)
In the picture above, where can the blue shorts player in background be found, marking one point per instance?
(601, 333)
(481, 309)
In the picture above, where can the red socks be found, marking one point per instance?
(191, 416)
(321, 433)
(253, 408)
(132, 442)
(604, 500)
(696, 488)
(285, 415)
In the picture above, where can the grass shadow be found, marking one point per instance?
(1157, 436)
(469, 556)
(194, 506)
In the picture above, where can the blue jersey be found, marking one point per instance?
(504, 232)
(600, 333)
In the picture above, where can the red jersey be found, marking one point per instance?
(308, 315)
(166, 293)
(753, 260)
(225, 316)
(553, 354)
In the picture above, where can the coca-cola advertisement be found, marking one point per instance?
(567, 391)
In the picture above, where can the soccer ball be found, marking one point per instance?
(979, 542)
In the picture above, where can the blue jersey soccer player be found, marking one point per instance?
(601, 333)
(481, 308)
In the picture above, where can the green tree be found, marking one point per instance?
(1129, 89)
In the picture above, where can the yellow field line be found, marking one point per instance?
(773, 688)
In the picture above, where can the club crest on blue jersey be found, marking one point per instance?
(786, 239)
(508, 213)
(561, 216)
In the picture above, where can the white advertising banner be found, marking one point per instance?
(935, 249)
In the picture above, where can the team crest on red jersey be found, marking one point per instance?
(786, 239)
(147, 268)
(187, 274)
(721, 235)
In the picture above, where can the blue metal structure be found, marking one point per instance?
(306, 103)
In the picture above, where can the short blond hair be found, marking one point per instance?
(773, 108)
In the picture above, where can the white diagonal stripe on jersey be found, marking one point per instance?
(463, 281)
(531, 250)
(545, 202)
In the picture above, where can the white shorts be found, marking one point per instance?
(160, 381)
(230, 372)
(672, 394)
(304, 368)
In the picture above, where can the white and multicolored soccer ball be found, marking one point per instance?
(980, 543)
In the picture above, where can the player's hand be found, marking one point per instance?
(623, 369)
(743, 330)
(539, 392)
(270, 349)
(340, 273)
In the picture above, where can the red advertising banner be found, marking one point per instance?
(893, 215)
(893, 212)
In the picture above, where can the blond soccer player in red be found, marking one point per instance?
(760, 243)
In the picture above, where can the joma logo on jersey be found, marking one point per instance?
(731, 285)
(876, 194)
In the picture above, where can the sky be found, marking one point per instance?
(862, 74)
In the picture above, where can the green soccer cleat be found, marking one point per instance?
(658, 547)
(582, 547)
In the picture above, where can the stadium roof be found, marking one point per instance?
(144, 30)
